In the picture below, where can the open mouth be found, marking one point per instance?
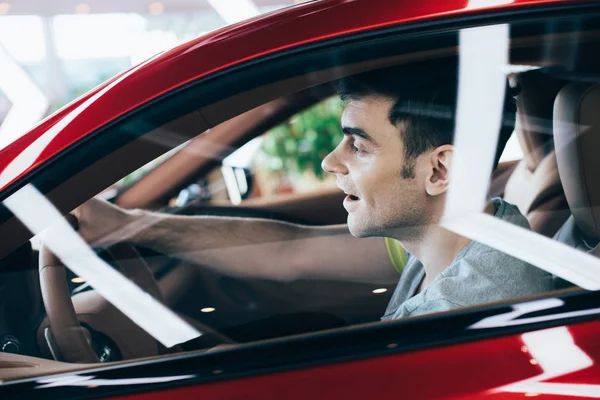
(351, 202)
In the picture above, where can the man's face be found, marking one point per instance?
(368, 165)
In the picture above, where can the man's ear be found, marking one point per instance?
(438, 170)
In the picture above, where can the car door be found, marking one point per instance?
(327, 338)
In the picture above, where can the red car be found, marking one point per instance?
(162, 136)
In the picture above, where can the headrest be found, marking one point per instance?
(533, 124)
(577, 144)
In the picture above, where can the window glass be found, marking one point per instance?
(284, 160)
(366, 205)
(137, 174)
(287, 158)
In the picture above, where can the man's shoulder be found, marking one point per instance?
(487, 275)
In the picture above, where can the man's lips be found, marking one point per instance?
(348, 193)
(351, 202)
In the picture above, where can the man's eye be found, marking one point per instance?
(355, 148)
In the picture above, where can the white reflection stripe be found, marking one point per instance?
(557, 258)
(558, 355)
(92, 381)
(512, 318)
(37, 213)
(485, 323)
(478, 116)
(565, 389)
(487, 3)
(26, 158)
(520, 309)
(556, 352)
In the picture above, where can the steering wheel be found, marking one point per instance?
(67, 339)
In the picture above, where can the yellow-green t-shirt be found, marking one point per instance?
(397, 254)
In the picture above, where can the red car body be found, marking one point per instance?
(470, 363)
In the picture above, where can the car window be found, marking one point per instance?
(287, 158)
(356, 194)
(284, 160)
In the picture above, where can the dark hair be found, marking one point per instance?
(425, 100)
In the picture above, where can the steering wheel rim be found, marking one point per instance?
(68, 340)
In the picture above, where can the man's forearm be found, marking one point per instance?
(263, 248)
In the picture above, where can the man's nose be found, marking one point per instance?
(331, 164)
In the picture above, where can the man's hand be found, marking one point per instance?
(102, 224)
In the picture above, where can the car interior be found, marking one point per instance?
(553, 185)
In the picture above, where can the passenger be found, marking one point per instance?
(394, 164)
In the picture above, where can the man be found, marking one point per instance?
(394, 164)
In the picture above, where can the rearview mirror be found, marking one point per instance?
(238, 181)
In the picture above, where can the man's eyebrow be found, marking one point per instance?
(358, 132)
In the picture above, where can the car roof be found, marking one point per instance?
(266, 34)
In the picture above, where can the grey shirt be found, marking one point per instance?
(479, 274)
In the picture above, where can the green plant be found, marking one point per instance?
(300, 144)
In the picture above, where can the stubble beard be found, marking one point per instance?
(405, 225)
(408, 224)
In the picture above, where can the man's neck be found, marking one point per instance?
(437, 247)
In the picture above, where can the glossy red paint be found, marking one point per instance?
(216, 51)
(476, 370)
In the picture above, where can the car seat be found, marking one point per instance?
(577, 138)
(534, 185)
(577, 141)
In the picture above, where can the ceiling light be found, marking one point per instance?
(207, 309)
(156, 8)
(380, 290)
(78, 280)
(4, 8)
(83, 8)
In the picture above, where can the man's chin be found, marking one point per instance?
(363, 229)
(358, 234)
(357, 229)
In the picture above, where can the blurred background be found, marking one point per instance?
(53, 51)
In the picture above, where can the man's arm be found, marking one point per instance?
(258, 248)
